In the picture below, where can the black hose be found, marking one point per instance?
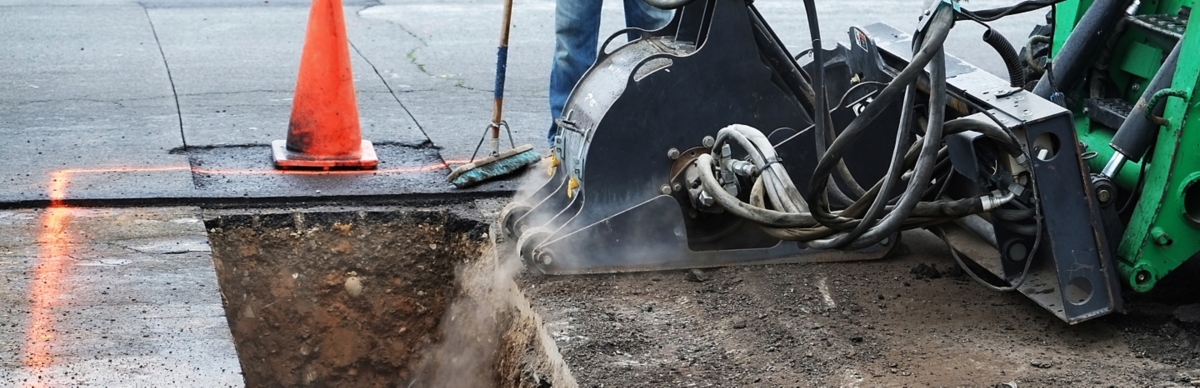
(1016, 73)
(988, 15)
(894, 220)
(862, 236)
(821, 117)
(895, 170)
(1013, 215)
(1021, 229)
(938, 29)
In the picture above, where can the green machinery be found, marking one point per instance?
(1159, 200)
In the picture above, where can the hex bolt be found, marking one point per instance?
(677, 186)
(673, 153)
(706, 200)
(665, 189)
(708, 142)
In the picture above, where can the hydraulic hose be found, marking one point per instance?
(892, 222)
(917, 156)
(741, 209)
(895, 170)
(763, 155)
(925, 52)
(988, 15)
(755, 211)
(938, 29)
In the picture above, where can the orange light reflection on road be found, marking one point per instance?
(45, 287)
(54, 248)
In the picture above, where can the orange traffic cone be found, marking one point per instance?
(324, 131)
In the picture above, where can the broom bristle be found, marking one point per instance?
(503, 164)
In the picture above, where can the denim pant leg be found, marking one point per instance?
(576, 31)
(641, 15)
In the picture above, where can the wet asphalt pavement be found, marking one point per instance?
(175, 103)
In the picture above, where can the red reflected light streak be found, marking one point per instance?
(54, 248)
(45, 287)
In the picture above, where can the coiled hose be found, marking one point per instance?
(873, 215)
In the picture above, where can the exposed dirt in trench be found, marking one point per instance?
(880, 323)
(438, 308)
(376, 299)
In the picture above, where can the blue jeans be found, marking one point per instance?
(576, 32)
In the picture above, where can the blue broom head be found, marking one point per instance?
(497, 166)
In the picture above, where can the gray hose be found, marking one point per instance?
(778, 174)
(742, 209)
(761, 155)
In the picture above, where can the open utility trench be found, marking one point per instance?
(376, 298)
(420, 297)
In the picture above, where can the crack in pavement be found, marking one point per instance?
(157, 42)
(411, 55)
(393, 93)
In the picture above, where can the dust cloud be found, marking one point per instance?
(491, 337)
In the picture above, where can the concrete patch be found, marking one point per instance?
(85, 311)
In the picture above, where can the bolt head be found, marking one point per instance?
(665, 189)
(673, 153)
(1104, 195)
(677, 187)
(708, 142)
(705, 199)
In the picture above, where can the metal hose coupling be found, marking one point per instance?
(995, 199)
(741, 168)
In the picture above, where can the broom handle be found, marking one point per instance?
(501, 66)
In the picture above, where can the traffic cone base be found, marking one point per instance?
(286, 159)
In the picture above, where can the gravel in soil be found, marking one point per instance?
(911, 320)
(377, 299)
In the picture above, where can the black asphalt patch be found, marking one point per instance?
(240, 175)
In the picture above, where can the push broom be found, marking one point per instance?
(497, 163)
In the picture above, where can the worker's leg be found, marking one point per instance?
(576, 30)
(641, 15)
